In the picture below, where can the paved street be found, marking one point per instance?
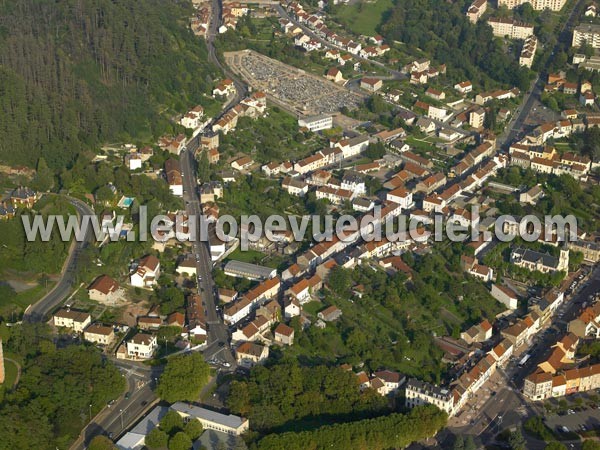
(114, 419)
(218, 333)
(39, 311)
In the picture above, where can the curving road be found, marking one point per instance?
(38, 311)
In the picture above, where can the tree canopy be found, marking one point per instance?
(183, 378)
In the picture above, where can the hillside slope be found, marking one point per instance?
(76, 73)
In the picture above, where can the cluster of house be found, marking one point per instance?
(173, 144)
(134, 158)
(545, 159)
(384, 382)
(253, 106)
(558, 82)
(318, 26)
(231, 13)
(143, 344)
(199, 22)
(560, 374)
(21, 197)
(472, 375)
(193, 118)
(421, 71)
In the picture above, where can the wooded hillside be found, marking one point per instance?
(77, 73)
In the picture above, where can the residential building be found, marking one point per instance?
(505, 295)
(537, 5)
(422, 393)
(477, 118)
(70, 318)
(402, 197)
(476, 10)
(329, 314)
(141, 346)
(464, 87)
(509, 27)
(294, 186)
(173, 176)
(588, 33)
(371, 84)
(590, 249)
(146, 273)
(105, 290)
(249, 354)
(23, 196)
(99, 334)
(284, 334)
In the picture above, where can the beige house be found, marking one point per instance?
(75, 320)
(249, 354)
(284, 334)
(99, 334)
(104, 290)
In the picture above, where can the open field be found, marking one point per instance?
(363, 17)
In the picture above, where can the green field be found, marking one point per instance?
(363, 17)
(10, 373)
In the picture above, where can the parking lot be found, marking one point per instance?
(302, 92)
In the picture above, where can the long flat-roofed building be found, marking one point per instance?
(212, 420)
(247, 270)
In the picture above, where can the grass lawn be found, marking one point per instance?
(10, 373)
(249, 256)
(363, 17)
(19, 302)
(312, 307)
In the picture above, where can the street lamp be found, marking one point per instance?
(122, 425)
(90, 412)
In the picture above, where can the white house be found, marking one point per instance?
(505, 295)
(69, 318)
(402, 197)
(142, 346)
(146, 273)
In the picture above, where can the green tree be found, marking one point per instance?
(590, 445)
(470, 443)
(157, 439)
(171, 423)
(203, 168)
(101, 443)
(459, 443)
(44, 177)
(555, 446)
(193, 429)
(180, 441)
(516, 441)
(183, 378)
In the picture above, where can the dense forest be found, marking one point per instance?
(59, 383)
(77, 73)
(285, 393)
(442, 30)
(393, 431)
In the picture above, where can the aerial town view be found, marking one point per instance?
(299, 225)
